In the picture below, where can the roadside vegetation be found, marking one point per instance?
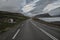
(9, 20)
(52, 24)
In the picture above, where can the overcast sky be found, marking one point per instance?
(52, 6)
(17, 5)
(47, 6)
(11, 5)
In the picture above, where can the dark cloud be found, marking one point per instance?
(55, 12)
(16, 5)
(11, 5)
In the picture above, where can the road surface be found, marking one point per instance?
(32, 30)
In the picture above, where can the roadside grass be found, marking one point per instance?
(52, 24)
(5, 25)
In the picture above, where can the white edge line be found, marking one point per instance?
(52, 37)
(16, 34)
(47, 25)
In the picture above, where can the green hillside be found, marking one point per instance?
(6, 16)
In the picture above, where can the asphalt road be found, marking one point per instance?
(32, 30)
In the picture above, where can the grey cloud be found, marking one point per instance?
(41, 5)
(16, 5)
(11, 5)
(55, 12)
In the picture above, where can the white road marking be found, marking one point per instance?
(49, 26)
(16, 34)
(52, 37)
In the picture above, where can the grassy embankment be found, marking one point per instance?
(5, 16)
(52, 24)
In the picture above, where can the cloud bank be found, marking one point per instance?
(11, 5)
(52, 6)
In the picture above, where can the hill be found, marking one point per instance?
(9, 20)
(43, 15)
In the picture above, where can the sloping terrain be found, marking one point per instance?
(43, 15)
(8, 19)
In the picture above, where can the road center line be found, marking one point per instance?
(16, 34)
(52, 37)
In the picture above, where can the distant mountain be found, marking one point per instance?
(57, 16)
(43, 15)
